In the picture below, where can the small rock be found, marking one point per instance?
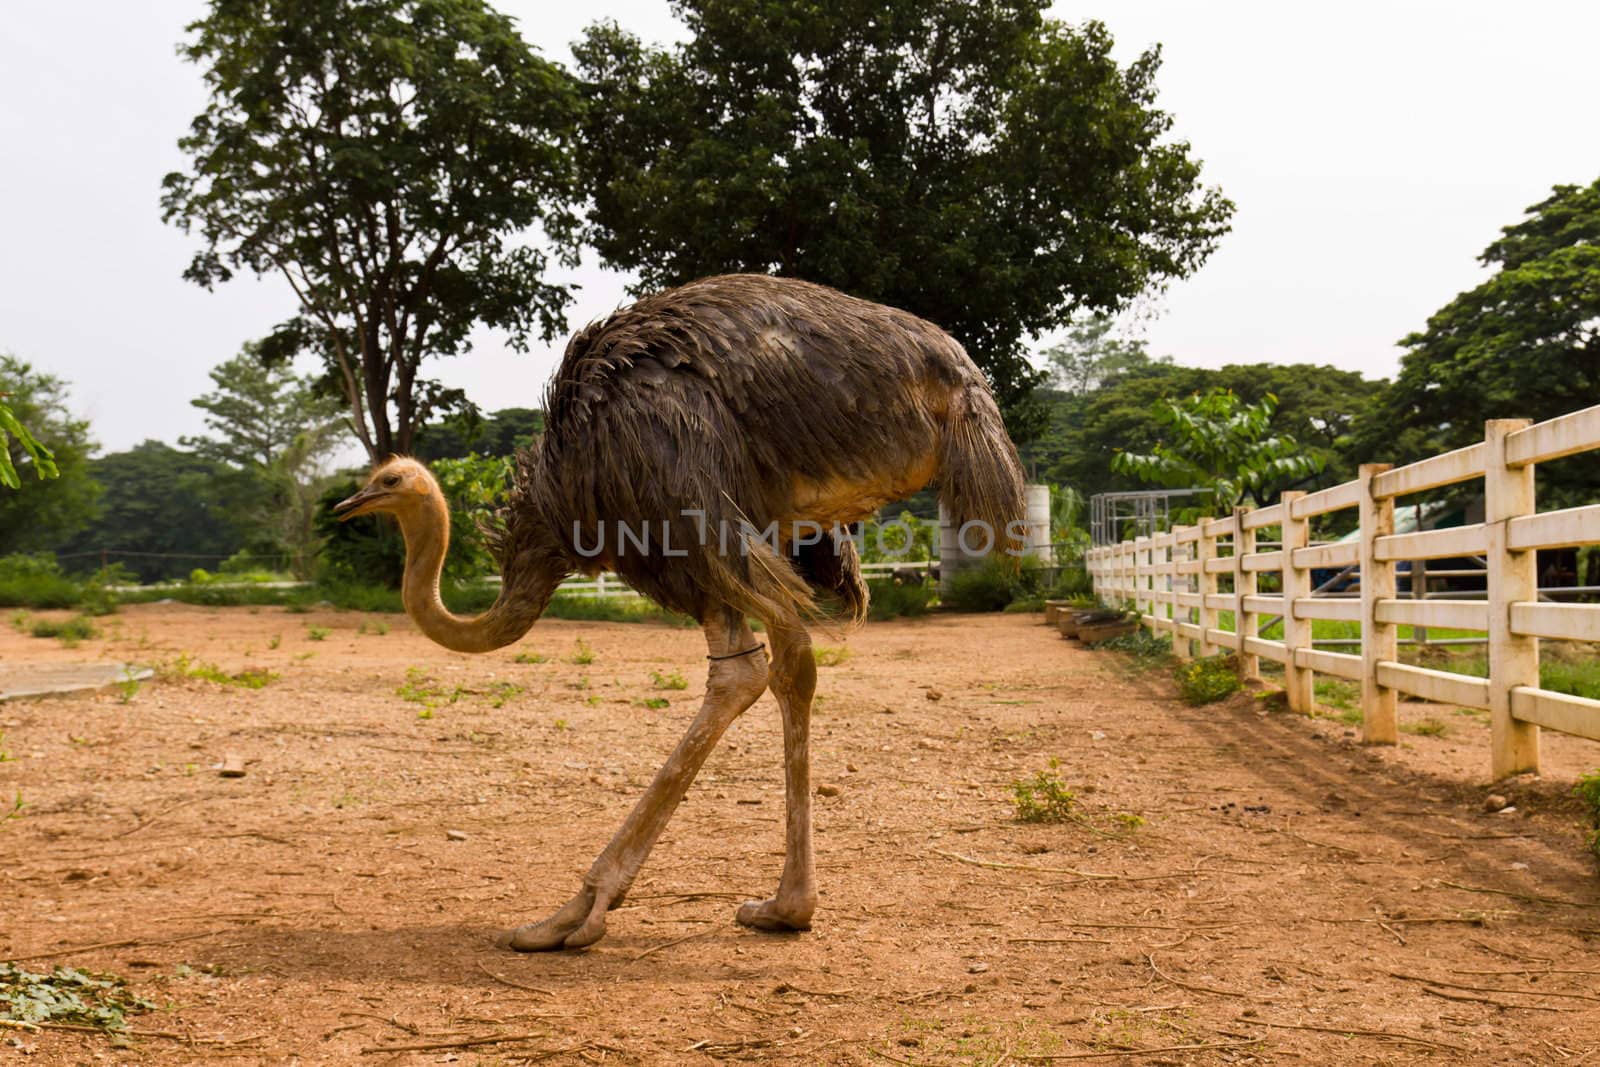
(1494, 802)
(455, 835)
(232, 765)
(1097, 735)
(928, 743)
(852, 768)
(978, 968)
(828, 789)
(1509, 809)
(1518, 867)
(934, 694)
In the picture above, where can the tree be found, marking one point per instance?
(974, 163)
(50, 507)
(382, 156)
(271, 436)
(500, 433)
(1523, 344)
(1090, 357)
(160, 514)
(1216, 442)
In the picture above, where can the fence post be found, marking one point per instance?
(1297, 680)
(1513, 576)
(1245, 622)
(1379, 724)
(1141, 576)
(1182, 552)
(1210, 618)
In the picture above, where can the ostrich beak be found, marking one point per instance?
(367, 500)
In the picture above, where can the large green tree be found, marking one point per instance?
(971, 161)
(160, 514)
(1523, 344)
(396, 162)
(55, 494)
(271, 436)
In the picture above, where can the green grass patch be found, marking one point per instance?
(68, 631)
(249, 678)
(1043, 798)
(829, 657)
(528, 657)
(672, 680)
(1208, 680)
(68, 996)
(891, 599)
(1588, 791)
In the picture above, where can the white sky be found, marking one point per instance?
(1373, 150)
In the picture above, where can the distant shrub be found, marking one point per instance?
(1205, 681)
(990, 586)
(892, 598)
(1043, 798)
(36, 581)
(1588, 791)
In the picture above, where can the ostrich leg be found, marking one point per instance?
(793, 681)
(733, 685)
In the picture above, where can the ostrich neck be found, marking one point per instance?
(522, 596)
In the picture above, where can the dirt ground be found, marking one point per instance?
(1239, 886)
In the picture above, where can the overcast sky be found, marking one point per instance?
(1373, 150)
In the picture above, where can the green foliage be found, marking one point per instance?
(673, 680)
(907, 539)
(1217, 442)
(1588, 791)
(528, 657)
(993, 584)
(317, 633)
(1208, 680)
(42, 459)
(830, 657)
(656, 703)
(36, 581)
(249, 678)
(983, 166)
(1043, 798)
(892, 598)
(420, 688)
(1147, 650)
(69, 631)
(68, 996)
(467, 433)
(1523, 344)
(386, 157)
(38, 433)
(582, 654)
(157, 499)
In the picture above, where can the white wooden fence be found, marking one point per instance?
(1173, 581)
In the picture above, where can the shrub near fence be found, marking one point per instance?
(1173, 581)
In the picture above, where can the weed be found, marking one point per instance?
(583, 656)
(529, 657)
(317, 633)
(1336, 693)
(562, 726)
(127, 686)
(829, 657)
(675, 680)
(15, 813)
(1205, 681)
(5, 753)
(1429, 727)
(500, 692)
(297, 607)
(1043, 798)
(68, 997)
(891, 598)
(655, 703)
(78, 628)
(1588, 791)
(19, 621)
(250, 678)
(277, 639)
(1146, 649)
(594, 701)
(373, 626)
(419, 688)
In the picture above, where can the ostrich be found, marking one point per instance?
(706, 443)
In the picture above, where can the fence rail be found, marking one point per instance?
(1173, 580)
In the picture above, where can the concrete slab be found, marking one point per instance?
(43, 679)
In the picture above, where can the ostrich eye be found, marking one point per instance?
(392, 480)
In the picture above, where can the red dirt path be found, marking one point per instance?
(1291, 897)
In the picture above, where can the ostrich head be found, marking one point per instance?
(399, 485)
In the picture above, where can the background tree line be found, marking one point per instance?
(412, 169)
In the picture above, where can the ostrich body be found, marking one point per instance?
(700, 417)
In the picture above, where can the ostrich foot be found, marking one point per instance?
(580, 923)
(776, 914)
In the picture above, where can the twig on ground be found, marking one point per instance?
(1531, 898)
(162, 814)
(1470, 920)
(1135, 1051)
(1094, 876)
(391, 1020)
(1355, 1032)
(790, 987)
(503, 980)
(669, 944)
(468, 1042)
(1059, 941)
(1446, 983)
(1151, 960)
(1470, 998)
(129, 943)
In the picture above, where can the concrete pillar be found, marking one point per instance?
(1037, 541)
